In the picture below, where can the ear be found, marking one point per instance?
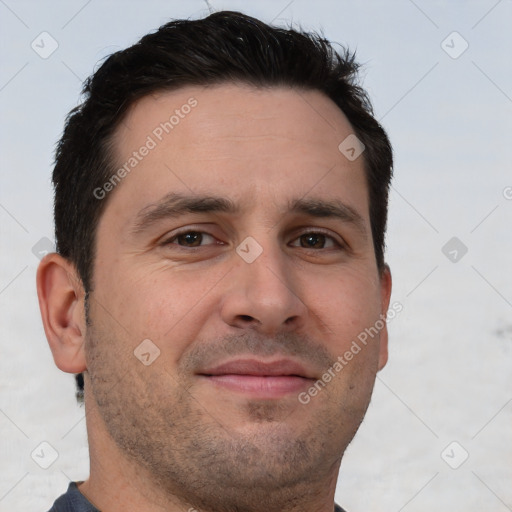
(61, 301)
(385, 297)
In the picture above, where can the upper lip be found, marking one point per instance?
(258, 367)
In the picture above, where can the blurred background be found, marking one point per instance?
(438, 433)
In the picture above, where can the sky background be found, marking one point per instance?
(438, 434)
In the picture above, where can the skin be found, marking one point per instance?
(163, 436)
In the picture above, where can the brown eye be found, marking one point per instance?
(191, 239)
(314, 240)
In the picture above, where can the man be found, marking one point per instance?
(220, 209)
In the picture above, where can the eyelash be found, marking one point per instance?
(338, 245)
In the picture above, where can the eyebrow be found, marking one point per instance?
(173, 205)
(332, 208)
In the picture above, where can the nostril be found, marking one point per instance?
(246, 318)
(290, 320)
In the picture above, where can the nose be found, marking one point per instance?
(263, 296)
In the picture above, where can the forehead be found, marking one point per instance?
(252, 144)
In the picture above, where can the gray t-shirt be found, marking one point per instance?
(75, 501)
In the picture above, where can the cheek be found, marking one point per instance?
(347, 305)
(161, 302)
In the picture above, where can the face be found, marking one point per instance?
(239, 244)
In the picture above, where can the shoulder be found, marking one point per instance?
(72, 501)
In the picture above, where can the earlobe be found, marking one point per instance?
(385, 295)
(61, 302)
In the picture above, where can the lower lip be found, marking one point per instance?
(271, 386)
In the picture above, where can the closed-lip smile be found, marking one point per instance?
(263, 379)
